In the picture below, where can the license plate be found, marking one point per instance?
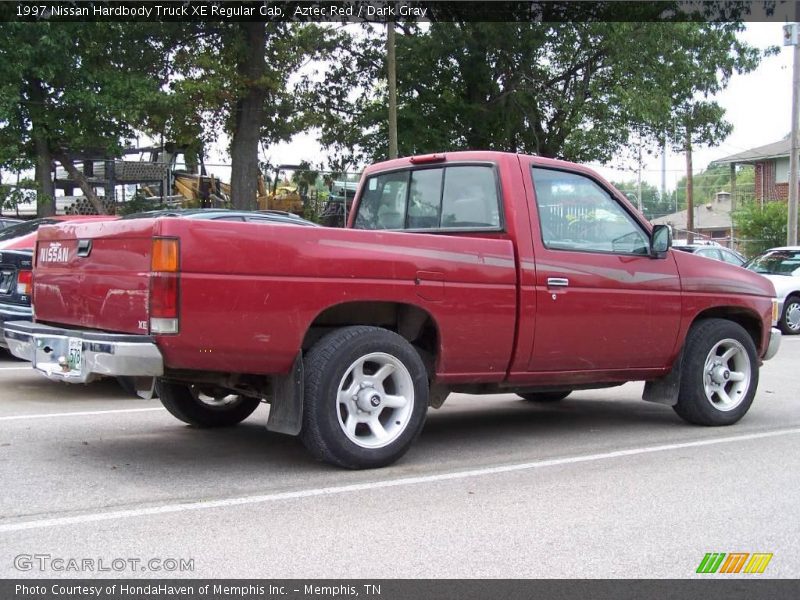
(75, 355)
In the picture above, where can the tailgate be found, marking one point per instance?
(94, 275)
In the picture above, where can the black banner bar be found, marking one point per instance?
(712, 588)
(394, 10)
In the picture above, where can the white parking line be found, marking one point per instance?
(28, 368)
(376, 485)
(84, 413)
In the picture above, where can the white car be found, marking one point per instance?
(782, 267)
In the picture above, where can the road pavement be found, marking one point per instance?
(599, 485)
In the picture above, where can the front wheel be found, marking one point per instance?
(204, 407)
(790, 319)
(366, 397)
(719, 374)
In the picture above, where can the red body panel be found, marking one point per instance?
(249, 292)
(251, 315)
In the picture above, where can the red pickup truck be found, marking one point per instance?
(475, 272)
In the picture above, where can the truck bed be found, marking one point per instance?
(249, 292)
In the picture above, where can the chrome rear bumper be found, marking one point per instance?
(77, 356)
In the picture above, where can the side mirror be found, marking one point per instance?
(660, 240)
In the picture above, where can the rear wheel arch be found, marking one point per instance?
(413, 323)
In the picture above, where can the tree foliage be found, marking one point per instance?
(761, 227)
(715, 179)
(653, 205)
(70, 88)
(235, 78)
(572, 90)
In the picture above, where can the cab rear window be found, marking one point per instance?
(454, 197)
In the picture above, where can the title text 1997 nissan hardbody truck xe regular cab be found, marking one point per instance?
(477, 272)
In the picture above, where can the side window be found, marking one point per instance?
(577, 214)
(470, 198)
(383, 205)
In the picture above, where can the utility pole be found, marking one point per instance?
(664, 170)
(391, 75)
(639, 178)
(790, 38)
(689, 186)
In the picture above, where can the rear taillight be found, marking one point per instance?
(24, 283)
(164, 286)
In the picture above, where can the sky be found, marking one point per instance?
(758, 104)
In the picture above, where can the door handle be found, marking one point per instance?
(557, 282)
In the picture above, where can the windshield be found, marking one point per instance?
(24, 228)
(777, 262)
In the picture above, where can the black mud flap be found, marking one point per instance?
(286, 408)
(666, 389)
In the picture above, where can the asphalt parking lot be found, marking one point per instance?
(599, 485)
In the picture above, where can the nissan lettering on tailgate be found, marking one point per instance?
(53, 252)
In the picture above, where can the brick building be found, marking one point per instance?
(771, 164)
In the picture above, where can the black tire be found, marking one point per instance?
(789, 323)
(188, 404)
(709, 393)
(544, 396)
(346, 430)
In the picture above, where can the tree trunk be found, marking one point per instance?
(45, 188)
(81, 180)
(248, 118)
(689, 189)
(46, 191)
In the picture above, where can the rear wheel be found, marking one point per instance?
(790, 319)
(544, 396)
(366, 396)
(719, 374)
(205, 407)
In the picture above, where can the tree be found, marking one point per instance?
(236, 79)
(72, 88)
(696, 123)
(653, 204)
(761, 227)
(707, 183)
(573, 90)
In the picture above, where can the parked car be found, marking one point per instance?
(782, 267)
(8, 222)
(473, 272)
(713, 251)
(22, 236)
(15, 286)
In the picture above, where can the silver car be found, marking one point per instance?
(782, 267)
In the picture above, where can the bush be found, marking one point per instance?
(761, 227)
